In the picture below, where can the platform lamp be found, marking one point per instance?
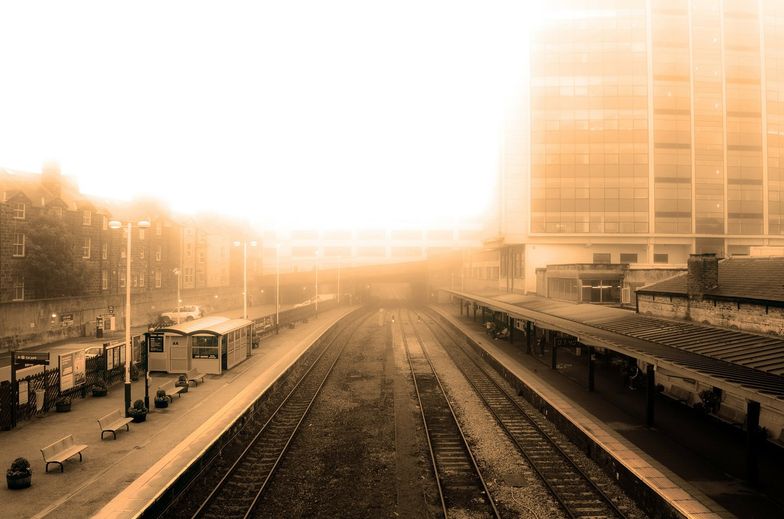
(277, 287)
(116, 224)
(317, 269)
(245, 244)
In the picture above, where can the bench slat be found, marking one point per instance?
(61, 450)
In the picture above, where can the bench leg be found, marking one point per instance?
(50, 462)
(80, 456)
(127, 427)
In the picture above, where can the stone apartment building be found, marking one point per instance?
(200, 250)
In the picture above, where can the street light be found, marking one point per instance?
(245, 244)
(339, 261)
(277, 287)
(179, 301)
(116, 224)
(317, 269)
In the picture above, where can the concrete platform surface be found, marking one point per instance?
(117, 477)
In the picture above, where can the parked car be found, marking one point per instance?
(93, 351)
(186, 313)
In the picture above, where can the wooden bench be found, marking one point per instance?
(170, 389)
(113, 422)
(193, 375)
(61, 450)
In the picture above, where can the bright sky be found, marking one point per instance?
(288, 113)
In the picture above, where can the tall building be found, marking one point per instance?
(655, 130)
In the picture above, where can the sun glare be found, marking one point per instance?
(319, 113)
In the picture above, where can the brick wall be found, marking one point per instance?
(741, 316)
(30, 323)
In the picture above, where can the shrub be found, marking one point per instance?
(19, 468)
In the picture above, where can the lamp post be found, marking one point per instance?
(179, 301)
(245, 244)
(317, 269)
(115, 224)
(339, 261)
(277, 287)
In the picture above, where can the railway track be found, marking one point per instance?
(459, 481)
(577, 493)
(238, 492)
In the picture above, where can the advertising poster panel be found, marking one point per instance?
(66, 371)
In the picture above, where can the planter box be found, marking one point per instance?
(18, 483)
(100, 392)
(139, 418)
(161, 404)
(62, 407)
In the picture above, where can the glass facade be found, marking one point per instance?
(589, 126)
(660, 117)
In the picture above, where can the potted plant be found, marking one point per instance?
(138, 412)
(161, 400)
(183, 383)
(100, 388)
(19, 475)
(63, 404)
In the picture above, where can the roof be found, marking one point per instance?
(189, 327)
(739, 361)
(224, 327)
(740, 277)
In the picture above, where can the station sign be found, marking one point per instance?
(31, 358)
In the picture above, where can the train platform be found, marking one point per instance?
(118, 477)
(560, 393)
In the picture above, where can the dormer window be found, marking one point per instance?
(57, 211)
(87, 218)
(19, 211)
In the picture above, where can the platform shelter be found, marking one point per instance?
(211, 345)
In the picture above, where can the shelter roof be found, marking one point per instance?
(740, 277)
(224, 327)
(189, 327)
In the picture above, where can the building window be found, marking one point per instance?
(141, 278)
(158, 253)
(19, 245)
(141, 234)
(628, 257)
(19, 211)
(104, 222)
(661, 258)
(157, 279)
(86, 243)
(601, 257)
(188, 277)
(104, 251)
(122, 252)
(104, 280)
(134, 280)
(122, 279)
(141, 254)
(87, 218)
(201, 256)
(19, 289)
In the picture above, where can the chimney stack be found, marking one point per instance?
(703, 274)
